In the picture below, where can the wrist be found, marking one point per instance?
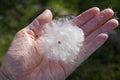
(3, 76)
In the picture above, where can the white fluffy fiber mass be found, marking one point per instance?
(61, 40)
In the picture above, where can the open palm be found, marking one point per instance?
(24, 61)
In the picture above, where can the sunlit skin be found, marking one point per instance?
(24, 61)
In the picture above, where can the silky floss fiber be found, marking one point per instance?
(61, 40)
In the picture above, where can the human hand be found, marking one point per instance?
(24, 61)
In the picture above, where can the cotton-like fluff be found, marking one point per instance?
(61, 40)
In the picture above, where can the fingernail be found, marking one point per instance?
(46, 12)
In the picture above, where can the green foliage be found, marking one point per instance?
(16, 14)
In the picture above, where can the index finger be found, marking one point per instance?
(86, 16)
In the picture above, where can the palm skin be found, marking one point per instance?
(24, 61)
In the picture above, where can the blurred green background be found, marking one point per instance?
(104, 64)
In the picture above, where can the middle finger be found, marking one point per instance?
(97, 21)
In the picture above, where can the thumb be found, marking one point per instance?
(37, 24)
